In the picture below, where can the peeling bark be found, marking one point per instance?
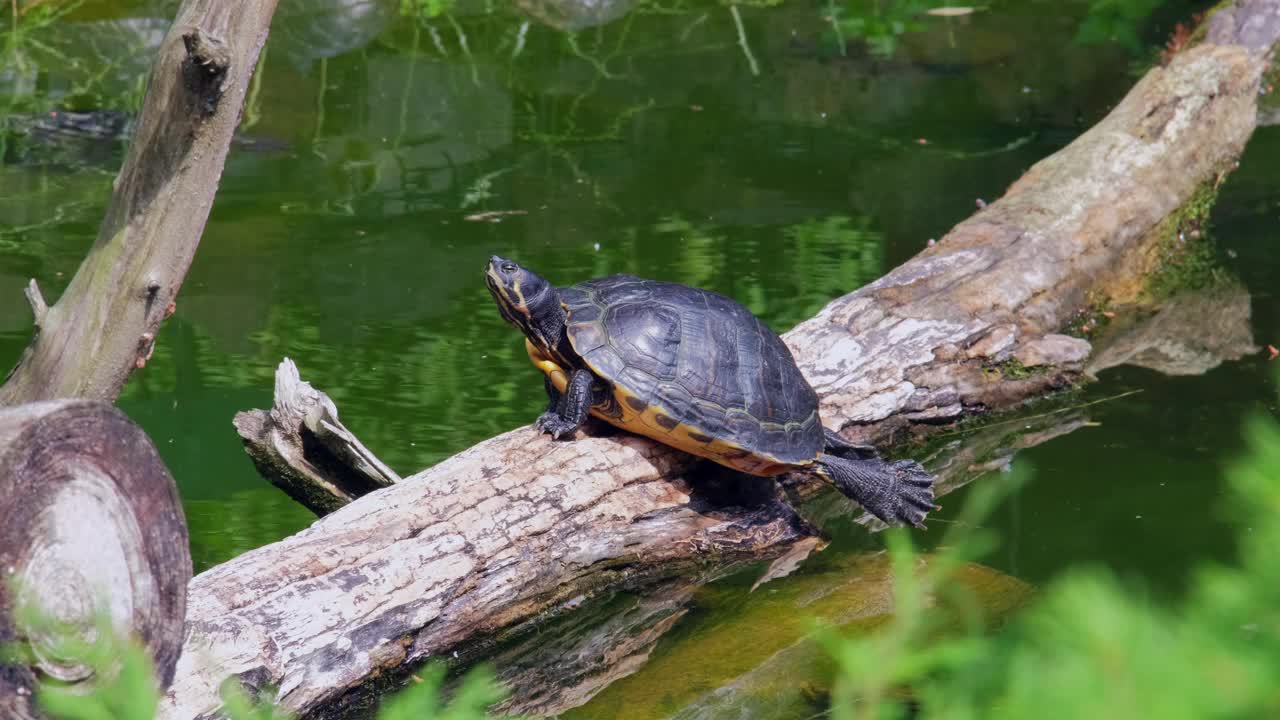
(104, 325)
(90, 515)
(487, 542)
(458, 560)
(519, 528)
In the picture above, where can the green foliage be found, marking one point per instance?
(1116, 21)
(1090, 647)
(426, 9)
(124, 688)
(237, 705)
(878, 24)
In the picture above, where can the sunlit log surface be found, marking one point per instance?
(104, 325)
(519, 528)
(89, 516)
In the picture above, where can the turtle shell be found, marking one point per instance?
(695, 370)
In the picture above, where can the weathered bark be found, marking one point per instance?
(487, 541)
(303, 449)
(514, 532)
(520, 528)
(104, 325)
(92, 523)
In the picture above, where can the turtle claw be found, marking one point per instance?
(914, 493)
(554, 425)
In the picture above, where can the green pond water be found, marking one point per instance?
(782, 161)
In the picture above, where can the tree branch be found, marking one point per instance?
(36, 301)
(104, 325)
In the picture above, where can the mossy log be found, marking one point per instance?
(104, 325)
(520, 528)
(92, 524)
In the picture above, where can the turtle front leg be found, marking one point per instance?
(553, 399)
(567, 411)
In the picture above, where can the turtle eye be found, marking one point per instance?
(508, 267)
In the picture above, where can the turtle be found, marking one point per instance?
(697, 371)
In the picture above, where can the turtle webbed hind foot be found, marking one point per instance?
(899, 493)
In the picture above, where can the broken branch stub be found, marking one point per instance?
(302, 447)
(92, 524)
(161, 200)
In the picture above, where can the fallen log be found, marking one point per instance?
(614, 559)
(104, 325)
(519, 528)
(91, 516)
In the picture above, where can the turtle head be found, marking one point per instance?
(526, 300)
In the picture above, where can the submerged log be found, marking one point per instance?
(92, 523)
(520, 528)
(762, 662)
(104, 325)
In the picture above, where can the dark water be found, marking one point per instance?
(645, 144)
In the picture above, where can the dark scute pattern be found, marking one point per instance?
(607, 363)
(681, 403)
(708, 358)
(702, 357)
(745, 430)
(667, 422)
(636, 403)
(647, 335)
(638, 382)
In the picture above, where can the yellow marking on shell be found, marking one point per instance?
(645, 422)
(682, 437)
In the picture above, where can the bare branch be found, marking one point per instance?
(157, 211)
(36, 300)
